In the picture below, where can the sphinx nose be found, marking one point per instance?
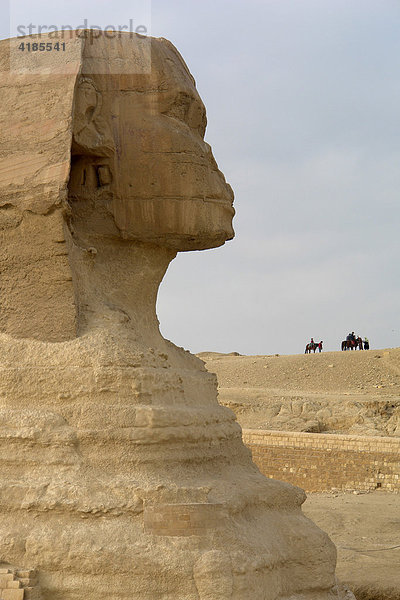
(226, 190)
(210, 156)
(230, 192)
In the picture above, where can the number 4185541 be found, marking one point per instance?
(41, 46)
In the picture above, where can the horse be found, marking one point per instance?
(352, 344)
(310, 347)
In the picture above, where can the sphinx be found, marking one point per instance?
(120, 474)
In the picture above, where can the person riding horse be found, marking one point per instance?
(312, 346)
(352, 342)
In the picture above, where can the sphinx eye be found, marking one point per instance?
(187, 109)
(197, 118)
(179, 108)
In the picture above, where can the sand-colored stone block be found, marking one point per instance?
(11, 594)
(5, 578)
(13, 584)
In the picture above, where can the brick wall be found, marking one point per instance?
(319, 462)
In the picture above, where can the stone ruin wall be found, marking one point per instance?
(321, 462)
(18, 584)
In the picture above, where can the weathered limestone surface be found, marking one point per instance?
(120, 474)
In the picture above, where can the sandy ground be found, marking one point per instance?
(339, 392)
(366, 531)
(335, 392)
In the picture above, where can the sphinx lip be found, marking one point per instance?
(221, 202)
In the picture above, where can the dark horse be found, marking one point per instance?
(310, 347)
(352, 344)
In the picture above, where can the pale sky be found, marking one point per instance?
(303, 103)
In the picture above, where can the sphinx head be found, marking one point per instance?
(140, 166)
(108, 178)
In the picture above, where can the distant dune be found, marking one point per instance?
(356, 392)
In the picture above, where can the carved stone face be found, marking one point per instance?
(142, 136)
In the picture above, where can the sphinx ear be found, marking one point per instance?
(92, 150)
(90, 131)
(87, 106)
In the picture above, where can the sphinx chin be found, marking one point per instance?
(189, 224)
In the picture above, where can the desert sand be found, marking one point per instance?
(366, 531)
(355, 392)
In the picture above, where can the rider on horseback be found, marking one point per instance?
(311, 346)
